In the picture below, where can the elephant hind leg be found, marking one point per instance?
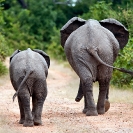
(38, 101)
(22, 115)
(80, 93)
(28, 121)
(106, 105)
(90, 108)
(38, 98)
(103, 104)
(86, 78)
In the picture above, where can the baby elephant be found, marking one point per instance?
(28, 73)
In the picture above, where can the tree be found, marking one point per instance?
(22, 3)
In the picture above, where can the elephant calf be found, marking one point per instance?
(28, 73)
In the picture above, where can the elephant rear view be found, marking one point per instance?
(91, 48)
(28, 73)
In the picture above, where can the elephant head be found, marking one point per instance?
(119, 30)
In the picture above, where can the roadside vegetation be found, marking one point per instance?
(36, 24)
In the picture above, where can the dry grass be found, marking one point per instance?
(122, 96)
(115, 94)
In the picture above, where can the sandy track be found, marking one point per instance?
(61, 114)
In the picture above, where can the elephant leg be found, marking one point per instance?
(107, 103)
(38, 99)
(80, 93)
(34, 102)
(103, 93)
(22, 115)
(85, 105)
(38, 110)
(28, 122)
(79, 97)
(89, 108)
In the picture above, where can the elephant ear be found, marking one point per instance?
(119, 30)
(46, 57)
(69, 27)
(16, 52)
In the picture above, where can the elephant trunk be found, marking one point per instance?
(25, 78)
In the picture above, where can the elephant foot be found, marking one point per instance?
(28, 124)
(78, 98)
(37, 122)
(106, 105)
(91, 113)
(101, 111)
(21, 121)
(85, 110)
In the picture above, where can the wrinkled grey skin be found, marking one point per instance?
(28, 73)
(91, 50)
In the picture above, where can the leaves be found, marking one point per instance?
(125, 60)
(38, 26)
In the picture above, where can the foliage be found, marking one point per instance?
(38, 26)
(3, 69)
(99, 11)
(3, 46)
(30, 27)
(55, 49)
(124, 60)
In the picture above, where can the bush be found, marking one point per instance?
(124, 60)
(3, 69)
(4, 50)
(55, 49)
(99, 11)
(31, 27)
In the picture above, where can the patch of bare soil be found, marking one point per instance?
(61, 114)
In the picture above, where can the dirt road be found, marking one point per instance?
(61, 114)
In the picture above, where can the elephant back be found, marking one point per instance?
(119, 30)
(69, 27)
(42, 53)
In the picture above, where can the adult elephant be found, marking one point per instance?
(91, 47)
(28, 73)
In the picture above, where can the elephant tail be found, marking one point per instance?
(23, 81)
(125, 71)
(93, 52)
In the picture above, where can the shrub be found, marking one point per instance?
(55, 49)
(3, 69)
(124, 60)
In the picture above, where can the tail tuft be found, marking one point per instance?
(126, 71)
(14, 96)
